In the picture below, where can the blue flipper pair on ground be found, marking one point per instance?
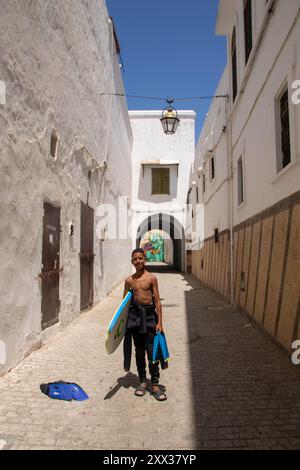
(61, 390)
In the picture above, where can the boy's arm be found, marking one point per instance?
(126, 287)
(159, 326)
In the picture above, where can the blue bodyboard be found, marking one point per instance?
(117, 327)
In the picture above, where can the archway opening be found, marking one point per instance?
(171, 231)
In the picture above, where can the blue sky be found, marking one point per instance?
(169, 49)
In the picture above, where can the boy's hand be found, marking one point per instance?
(159, 328)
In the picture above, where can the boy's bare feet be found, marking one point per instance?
(141, 390)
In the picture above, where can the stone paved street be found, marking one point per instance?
(228, 385)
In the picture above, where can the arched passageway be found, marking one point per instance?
(175, 246)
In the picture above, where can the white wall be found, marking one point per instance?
(150, 143)
(254, 130)
(213, 141)
(53, 81)
(253, 119)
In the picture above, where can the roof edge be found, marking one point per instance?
(141, 114)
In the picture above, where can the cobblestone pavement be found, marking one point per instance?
(228, 385)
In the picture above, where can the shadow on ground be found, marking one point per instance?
(245, 391)
(128, 381)
(160, 268)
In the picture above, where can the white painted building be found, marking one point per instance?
(251, 251)
(65, 148)
(209, 179)
(272, 66)
(165, 158)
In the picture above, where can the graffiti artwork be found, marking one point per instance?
(153, 245)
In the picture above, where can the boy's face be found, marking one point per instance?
(138, 261)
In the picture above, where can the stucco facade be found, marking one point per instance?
(154, 149)
(57, 61)
(255, 261)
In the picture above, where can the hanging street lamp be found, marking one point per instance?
(169, 119)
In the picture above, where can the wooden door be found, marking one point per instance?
(50, 266)
(86, 257)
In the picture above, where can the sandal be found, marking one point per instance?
(141, 390)
(159, 395)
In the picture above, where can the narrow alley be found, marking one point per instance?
(228, 385)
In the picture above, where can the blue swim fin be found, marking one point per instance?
(155, 353)
(160, 350)
(64, 391)
(58, 390)
(164, 346)
(78, 393)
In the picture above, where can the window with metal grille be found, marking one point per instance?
(212, 168)
(234, 64)
(285, 128)
(160, 181)
(240, 177)
(248, 28)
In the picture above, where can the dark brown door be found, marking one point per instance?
(87, 257)
(50, 266)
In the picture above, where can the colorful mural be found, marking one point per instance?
(153, 245)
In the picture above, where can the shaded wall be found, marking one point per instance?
(211, 264)
(266, 268)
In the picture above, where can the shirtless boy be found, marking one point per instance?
(144, 320)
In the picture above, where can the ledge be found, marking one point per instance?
(285, 170)
(188, 114)
(244, 203)
(160, 162)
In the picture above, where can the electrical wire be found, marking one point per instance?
(166, 99)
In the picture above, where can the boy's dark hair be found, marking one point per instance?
(138, 250)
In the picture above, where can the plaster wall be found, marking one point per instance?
(253, 120)
(53, 79)
(213, 143)
(150, 143)
(265, 260)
